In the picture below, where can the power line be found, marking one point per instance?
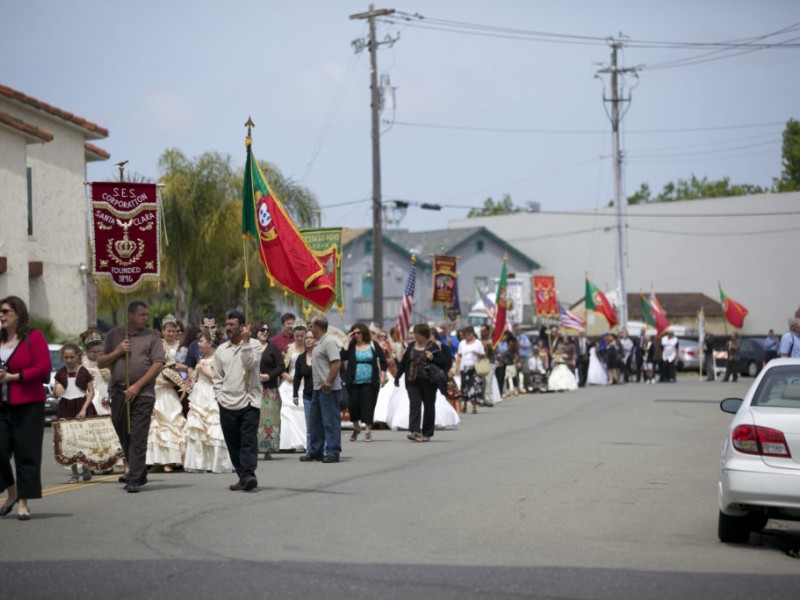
(585, 131)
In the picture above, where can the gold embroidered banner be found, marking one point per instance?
(91, 441)
(125, 233)
(444, 280)
(326, 244)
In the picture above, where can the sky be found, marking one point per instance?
(474, 116)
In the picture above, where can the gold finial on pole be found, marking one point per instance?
(249, 126)
(121, 166)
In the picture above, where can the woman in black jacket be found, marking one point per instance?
(364, 374)
(421, 390)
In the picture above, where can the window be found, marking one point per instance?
(481, 286)
(30, 201)
(366, 285)
(479, 246)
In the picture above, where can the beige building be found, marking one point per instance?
(748, 244)
(44, 254)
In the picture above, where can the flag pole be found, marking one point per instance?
(249, 124)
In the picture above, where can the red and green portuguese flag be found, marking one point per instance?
(597, 301)
(653, 316)
(734, 312)
(287, 259)
(501, 306)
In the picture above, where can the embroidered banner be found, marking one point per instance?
(444, 280)
(91, 441)
(544, 292)
(125, 233)
(326, 244)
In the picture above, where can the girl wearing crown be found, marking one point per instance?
(93, 343)
(166, 442)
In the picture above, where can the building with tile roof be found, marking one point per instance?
(44, 251)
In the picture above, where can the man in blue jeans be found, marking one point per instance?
(326, 415)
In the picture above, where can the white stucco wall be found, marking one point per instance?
(675, 247)
(13, 215)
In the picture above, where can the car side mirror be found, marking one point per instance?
(731, 405)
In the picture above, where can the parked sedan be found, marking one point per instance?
(688, 355)
(751, 356)
(760, 478)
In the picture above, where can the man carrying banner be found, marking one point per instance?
(135, 355)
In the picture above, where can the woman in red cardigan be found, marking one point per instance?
(24, 367)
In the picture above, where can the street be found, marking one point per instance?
(607, 492)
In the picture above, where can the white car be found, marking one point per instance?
(760, 477)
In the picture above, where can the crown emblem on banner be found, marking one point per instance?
(125, 247)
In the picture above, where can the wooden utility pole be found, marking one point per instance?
(619, 202)
(377, 203)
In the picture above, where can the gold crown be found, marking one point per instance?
(125, 247)
(91, 337)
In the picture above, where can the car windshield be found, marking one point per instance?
(780, 388)
(55, 360)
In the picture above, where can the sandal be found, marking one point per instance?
(87, 475)
(354, 435)
(425, 438)
(415, 437)
(74, 479)
(368, 436)
(167, 469)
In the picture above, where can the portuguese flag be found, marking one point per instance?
(501, 306)
(287, 259)
(734, 312)
(654, 317)
(597, 301)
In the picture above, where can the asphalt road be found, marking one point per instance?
(606, 492)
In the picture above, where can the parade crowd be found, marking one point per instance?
(214, 399)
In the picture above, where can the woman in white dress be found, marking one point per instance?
(597, 374)
(561, 379)
(166, 442)
(293, 415)
(205, 445)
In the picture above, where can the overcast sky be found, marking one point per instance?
(474, 116)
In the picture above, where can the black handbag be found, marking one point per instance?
(436, 375)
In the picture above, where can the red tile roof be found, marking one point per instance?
(21, 126)
(95, 153)
(93, 128)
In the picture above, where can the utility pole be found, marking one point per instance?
(377, 208)
(619, 202)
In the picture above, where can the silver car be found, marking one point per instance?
(760, 478)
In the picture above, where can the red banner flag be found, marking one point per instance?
(285, 255)
(125, 233)
(544, 292)
(444, 280)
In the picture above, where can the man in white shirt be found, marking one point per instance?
(669, 355)
(238, 392)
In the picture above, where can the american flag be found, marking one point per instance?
(488, 306)
(569, 320)
(406, 308)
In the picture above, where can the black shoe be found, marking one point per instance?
(132, 488)
(310, 457)
(4, 510)
(330, 459)
(236, 487)
(123, 479)
(250, 484)
(24, 517)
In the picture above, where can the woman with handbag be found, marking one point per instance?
(364, 375)
(419, 384)
(470, 352)
(25, 365)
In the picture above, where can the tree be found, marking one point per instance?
(694, 189)
(491, 209)
(790, 177)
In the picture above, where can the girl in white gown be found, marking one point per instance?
(561, 377)
(166, 442)
(293, 416)
(93, 342)
(205, 444)
(393, 409)
(597, 374)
